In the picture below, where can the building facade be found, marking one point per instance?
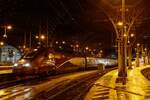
(9, 54)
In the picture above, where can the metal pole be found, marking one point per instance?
(125, 45)
(39, 34)
(119, 54)
(47, 43)
(30, 41)
(137, 56)
(143, 55)
(146, 57)
(122, 71)
(24, 45)
(5, 30)
(0, 54)
(85, 57)
(130, 56)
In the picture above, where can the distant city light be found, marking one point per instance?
(77, 45)
(132, 35)
(125, 35)
(120, 23)
(42, 37)
(138, 44)
(86, 48)
(128, 41)
(60, 47)
(24, 46)
(35, 49)
(36, 37)
(9, 27)
(56, 42)
(63, 42)
(101, 51)
(1, 43)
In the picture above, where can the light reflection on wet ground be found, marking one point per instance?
(137, 87)
(14, 91)
(30, 90)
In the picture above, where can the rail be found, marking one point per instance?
(72, 89)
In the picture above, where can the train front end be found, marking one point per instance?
(25, 66)
(22, 67)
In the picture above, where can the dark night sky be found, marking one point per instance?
(67, 19)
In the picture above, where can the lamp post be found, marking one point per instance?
(85, 56)
(146, 56)
(122, 46)
(129, 47)
(137, 55)
(1, 45)
(5, 30)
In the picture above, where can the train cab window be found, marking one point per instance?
(49, 59)
(30, 54)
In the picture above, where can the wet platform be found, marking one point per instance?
(135, 87)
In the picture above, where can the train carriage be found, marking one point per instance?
(39, 61)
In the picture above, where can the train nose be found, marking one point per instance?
(22, 63)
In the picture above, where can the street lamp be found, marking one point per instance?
(5, 30)
(37, 37)
(120, 23)
(9, 27)
(42, 37)
(63, 42)
(56, 42)
(132, 35)
(86, 48)
(1, 43)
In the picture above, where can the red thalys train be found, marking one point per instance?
(42, 61)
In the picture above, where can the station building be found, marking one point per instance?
(9, 54)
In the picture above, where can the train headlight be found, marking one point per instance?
(26, 65)
(15, 65)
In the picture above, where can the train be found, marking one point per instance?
(44, 61)
(47, 61)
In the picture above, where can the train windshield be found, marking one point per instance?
(31, 54)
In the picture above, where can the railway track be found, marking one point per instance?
(9, 80)
(30, 89)
(73, 89)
